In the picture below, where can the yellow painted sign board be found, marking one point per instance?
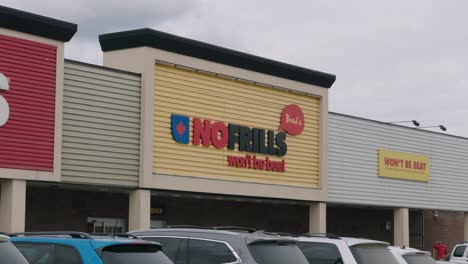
(197, 96)
(403, 165)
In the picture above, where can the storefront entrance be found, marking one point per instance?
(206, 211)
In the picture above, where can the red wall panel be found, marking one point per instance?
(27, 139)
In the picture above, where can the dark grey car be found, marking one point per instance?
(9, 253)
(208, 246)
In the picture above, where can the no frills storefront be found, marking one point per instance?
(213, 127)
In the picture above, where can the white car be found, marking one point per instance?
(406, 255)
(330, 249)
(459, 253)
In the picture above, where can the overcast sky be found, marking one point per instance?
(394, 60)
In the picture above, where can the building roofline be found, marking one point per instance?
(147, 37)
(397, 125)
(38, 25)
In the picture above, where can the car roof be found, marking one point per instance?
(4, 238)
(350, 241)
(408, 251)
(252, 237)
(97, 242)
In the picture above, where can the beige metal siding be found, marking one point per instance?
(101, 126)
(353, 166)
(195, 94)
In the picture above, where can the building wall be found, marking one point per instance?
(27, 138)
(360, 222)
(52, 209)
(142, 60)
(101, 126)
(291, 218)
(447, 227)
(353, 166)
(195, 94)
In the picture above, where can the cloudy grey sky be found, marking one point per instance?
(394, 60)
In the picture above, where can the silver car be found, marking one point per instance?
(224, 246)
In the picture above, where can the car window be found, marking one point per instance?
(209, 252)
(134, 254)
(320, 253)
(9, 254)
(66, 255)
(182, 255)
(170, 245)
(277, 253)
(372, 254)
(35, 253)
(419, 259)
(459, 251)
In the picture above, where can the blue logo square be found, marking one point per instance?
(180, 126)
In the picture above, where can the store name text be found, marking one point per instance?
(4, 107)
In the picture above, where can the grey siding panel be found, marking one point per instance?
(353, 166)
(101, 126)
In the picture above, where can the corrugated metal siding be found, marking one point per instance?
(195, 94)
(353, 166)
(101, 125)
(27, 139)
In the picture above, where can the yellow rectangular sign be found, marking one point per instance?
(403, 165)
(187, 96)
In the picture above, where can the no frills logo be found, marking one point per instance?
(4, 107)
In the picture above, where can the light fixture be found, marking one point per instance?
(443, 128)
(415, 123)
(388, 225)
(435, 213)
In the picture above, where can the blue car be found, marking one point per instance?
(82, 248)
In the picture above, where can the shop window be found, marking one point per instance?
(106, 225)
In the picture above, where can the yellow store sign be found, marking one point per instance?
(211, 127)
(403, 165)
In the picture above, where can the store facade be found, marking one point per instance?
(172, 131)
(224, 126)
(391, 176)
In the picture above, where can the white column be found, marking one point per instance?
(12, 205)
(318, 217)
(465, 236)
(401, 226)
(139, 215)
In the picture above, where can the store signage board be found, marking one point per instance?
(242, 138)
(4, 107)
(402, 165)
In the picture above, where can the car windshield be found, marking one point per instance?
(419, 259)
(9, 254)
(277, 253)
(373, 254)
(134, 254)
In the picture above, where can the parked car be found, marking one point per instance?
(459, 253)
(81, 248)
(406, 255)
(332, 249)
(224, 245)
(8, 253)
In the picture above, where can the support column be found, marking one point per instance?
(465, 236)
(12, 205)
(318, 217)
(139, 215)
(401, 227)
